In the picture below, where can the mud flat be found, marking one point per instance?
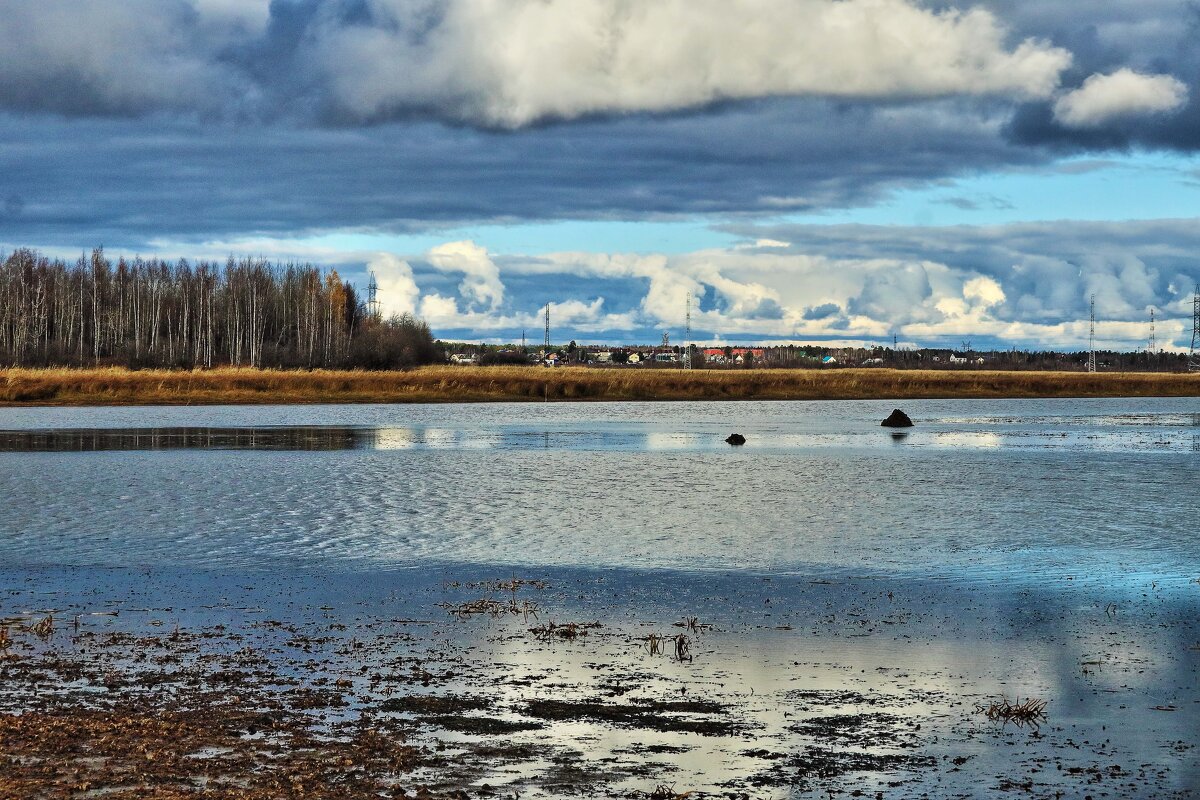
(115, 386)
(463, 681)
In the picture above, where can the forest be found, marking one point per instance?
(154, 313)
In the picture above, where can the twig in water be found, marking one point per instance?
(683, 648)
(45, 627)
(1031, 712)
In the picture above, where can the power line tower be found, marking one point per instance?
(1152, 345)
(1092, 338)
(687, 332)
(546, 352)
(373, 310)
(522, 340)
(1194, 354)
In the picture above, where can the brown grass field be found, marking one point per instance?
(114, 386)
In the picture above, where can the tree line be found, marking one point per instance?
(155, 313)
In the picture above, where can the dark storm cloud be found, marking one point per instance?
(1154, 37)
(123, 182)
(123, 123)
(824, 311)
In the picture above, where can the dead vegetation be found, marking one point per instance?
(702, 717)
(492, 607)
(683, 648)
(1031, 712)
(568, 631)
(44, 627)
(662, 791)
(128, 753)
(693, 624)
(655, 644)
(512, 585)
(118, 386)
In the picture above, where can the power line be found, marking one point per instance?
(1194, 352)
(1092, 338)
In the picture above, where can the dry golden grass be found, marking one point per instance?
(115, 386)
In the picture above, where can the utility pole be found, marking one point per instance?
(1152, 345)
(687, 332)
(1092, 338)
(1194, 354)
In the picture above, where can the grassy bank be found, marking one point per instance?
(474, 384)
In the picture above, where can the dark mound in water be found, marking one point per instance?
(897, 419)
(737, 438)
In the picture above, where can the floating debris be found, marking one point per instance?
(492, 607)
(44, 628)
(569, 631)
(1031, 712)
(683, 648)
(662, 792)
(693, 624)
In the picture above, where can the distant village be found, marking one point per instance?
(667, 356)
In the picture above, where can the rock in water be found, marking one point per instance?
(737, 438)
(897, 419)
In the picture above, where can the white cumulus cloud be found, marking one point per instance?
(512, 62)
(398, 291)
(1123, 93)
(481, 282)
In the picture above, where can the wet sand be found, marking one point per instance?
(471, 681)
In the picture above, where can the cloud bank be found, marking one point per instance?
(1016, 285)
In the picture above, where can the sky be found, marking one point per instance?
(807, 171)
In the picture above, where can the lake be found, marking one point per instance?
(992, 489)
(855, 593)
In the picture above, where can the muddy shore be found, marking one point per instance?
(462, 681)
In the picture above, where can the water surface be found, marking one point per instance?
(993, 490)
(862, 591)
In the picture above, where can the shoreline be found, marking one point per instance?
(22, 387)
